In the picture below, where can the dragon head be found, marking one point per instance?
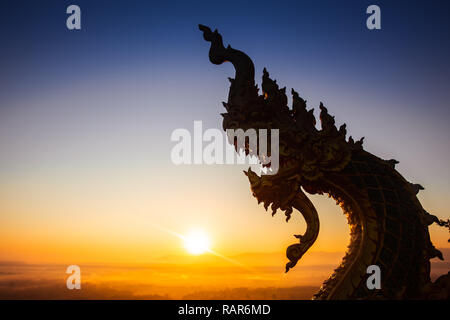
(305, 153)
(303, 148)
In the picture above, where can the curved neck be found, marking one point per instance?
(218, 54)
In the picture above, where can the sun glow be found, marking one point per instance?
(197, 242)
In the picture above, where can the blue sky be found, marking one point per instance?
(398, 75)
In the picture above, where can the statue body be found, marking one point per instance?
(388, 226)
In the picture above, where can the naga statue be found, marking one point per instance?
(388, 226)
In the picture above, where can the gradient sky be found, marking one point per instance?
(86, 118)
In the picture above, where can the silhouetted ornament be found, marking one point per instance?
(388, 226)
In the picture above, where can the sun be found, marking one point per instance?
(196, 242)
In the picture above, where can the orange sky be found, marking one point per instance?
(118, 225)
(116, 217)
(111, 221)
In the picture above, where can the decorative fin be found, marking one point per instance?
(359, 143)
(392, 163)
(416, 187)
(435, 253)
(343, 130)
(430, 219)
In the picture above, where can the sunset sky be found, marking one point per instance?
(86, 117)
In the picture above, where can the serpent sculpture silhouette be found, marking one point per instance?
(388, 226)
